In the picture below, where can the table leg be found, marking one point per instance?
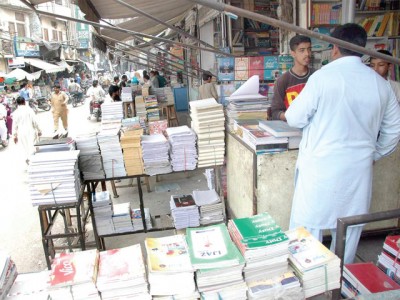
(141, 203)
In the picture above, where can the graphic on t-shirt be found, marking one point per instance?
(292, 92)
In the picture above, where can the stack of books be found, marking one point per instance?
(111, 153)
(103, 212)
(183, 148)
(317, 268)
(131, 124)
(364, 279)
(90, 163)
(170, 272)
(210, 176)
(211, 209)
(263, 244)
(137, 219)
(281, 129)
(73, 275)
(122, 274)
(388, 259)
(208, 122)
(8, 273)
(51, 145)
(132, 151)
(122, 219)
(151, 104)
(54, 178)
(30, 286)
(184, 211)
(126, 94)
(246, 103)
(218, 263)
(141, 112)
(155, 154)
(112, 111)
(158, 127)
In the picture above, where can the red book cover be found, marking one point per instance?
(390, 244)
(183, 200)
(371, 277)
(256, 66)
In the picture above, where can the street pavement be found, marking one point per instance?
(19, 221)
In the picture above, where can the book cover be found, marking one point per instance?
(391, 245)
(256, 226)
(370, 277)
(158, 127)
(256, 66)
(279, 128)
(183, 200)
(271, 62)
(168, 254)
(226, 68)
(241, 68)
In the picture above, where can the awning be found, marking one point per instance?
(20, 74)
(64, 64)
(40, 64)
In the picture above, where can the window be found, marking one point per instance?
(55, 36)
(21, 30)
(45, 34)
(11, 28)
(19, 17)
(60, 36)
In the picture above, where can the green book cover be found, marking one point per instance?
(211, 245)
(269, 231)
(255, 226)
(274, 239)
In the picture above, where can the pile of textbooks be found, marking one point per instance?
(281, 130)
(183, 148)
(137, 219)
(90, 163)
(155, 154)
(184, 211)
(111, 111)
(132, 151)
(8, 273)
(103, 212)
(388, 259)
(210, 205)
(30, 286)
(158, 127)
(151, 104)
(122, 219)
(141, 112)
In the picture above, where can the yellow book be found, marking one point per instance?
(383, 26)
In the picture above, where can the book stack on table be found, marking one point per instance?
(317, 268)
(122, 219)
(141, 112)
(170, 271)
(151, 104)
(211, 209)
(30, 286)
(90, 163)
(183, 148)
(111, 111)
(208, 122)
(52, 145)
(54, 178)
(8, 273)
(158, 127)
(73, 275)
(132, 151)
(281, 129)
(137, 219)
(103, 212)
(155, 154)
(122, 274)
(184, 211)
(217, 261)
(388, 259)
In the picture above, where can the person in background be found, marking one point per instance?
(154, 80)
(26, 128)
(162, 82)
(116, 81)
(290, 84)
(96, 93)
(146, 80)
(75, 88)
(24, 92)
(3, 127)
(135, 79)
(340, 118)
(382, 68)
(207, 89)
(58, 102)
(78, 78)
(113, 94)
(122, 83)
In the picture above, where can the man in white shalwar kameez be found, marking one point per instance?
(342, 109)
(26, 128)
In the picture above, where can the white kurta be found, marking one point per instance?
(342, 109)
(26, 127)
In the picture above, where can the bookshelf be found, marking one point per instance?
(324, 13)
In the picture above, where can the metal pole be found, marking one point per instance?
(281, 24)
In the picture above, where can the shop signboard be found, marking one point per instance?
(26, 47)
(16, 62)
(82, 31)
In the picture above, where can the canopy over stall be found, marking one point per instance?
(20, 74)
(65, 65)
(40, 64)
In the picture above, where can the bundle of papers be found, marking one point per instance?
(151, 104)
(211, 209)
(317, 268)
(74, 274)
(8, 273)
(30, 286)
(169, 267)
(122, 274)
(111, 153)
(246, 103)
(111, 111)
(122, 217)
(54, 178)
(64, 144)
(90, 163)
(132, 151)
(137, 219)
(218, 262)
(184, 211)
(208, 123)
(183, 148)
(155, 154)
(126, 94)
(103, 212)
(263, 244)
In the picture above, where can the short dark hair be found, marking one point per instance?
(116, 78)
(95, 83)
(146, 77)
(386, 52)
(57, 85)
(20, 100)
(297, 40)
(124, 77)
(206, 76)
(113, 89)
(352, 33)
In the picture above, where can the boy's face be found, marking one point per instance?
(302, 54)
(380, 66)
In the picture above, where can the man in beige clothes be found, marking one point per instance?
(58, 103)
(207, 89)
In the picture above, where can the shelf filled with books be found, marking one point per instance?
(324, 13)
(375, 6)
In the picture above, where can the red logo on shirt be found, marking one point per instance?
(292, 92)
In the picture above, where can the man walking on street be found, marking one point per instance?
(58, 103)
(341, 118)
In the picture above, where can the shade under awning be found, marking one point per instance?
(40, 64)
(20, 74)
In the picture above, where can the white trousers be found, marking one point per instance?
(3, 131)
(352, 239)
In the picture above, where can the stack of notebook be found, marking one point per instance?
(103, 212)
(211, 209)
(155, 154)
(141, 112)
(183, 148)
(137, 219)
(132, 151)
(184, 211)
(30, 286)
(111, 111)
(280, 129)
(90, 163)
(122, 217)
(151, 104)
(130, 124)
(388, 259)
(8, 273)
(208, 122)
(52, 145)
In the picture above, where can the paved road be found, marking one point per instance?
(19, 222)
